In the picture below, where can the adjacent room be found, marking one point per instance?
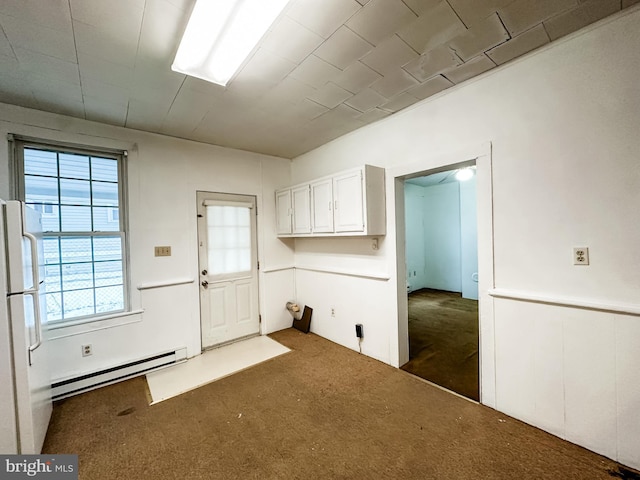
(169, 209)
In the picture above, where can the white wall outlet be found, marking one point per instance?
(87, 350)
(333, 311)
(164, 251)
(580, 255)
(374, 244)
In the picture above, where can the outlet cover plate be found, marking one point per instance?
(580, 255)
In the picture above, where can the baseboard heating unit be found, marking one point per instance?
(83, 383)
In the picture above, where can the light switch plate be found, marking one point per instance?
(163, 251)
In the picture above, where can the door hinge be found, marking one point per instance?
(259, 318)
(258, 265)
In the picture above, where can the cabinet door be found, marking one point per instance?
(283, 212)
(348, 213)
(301, 209)
(322, 206)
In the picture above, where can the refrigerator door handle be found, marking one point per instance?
(34, 292)
(33, 242)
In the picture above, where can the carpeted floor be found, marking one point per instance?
(443, 340)
(319, 412)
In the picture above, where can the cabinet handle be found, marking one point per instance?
(336, 205)
(329, 205)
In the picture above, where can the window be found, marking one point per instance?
(80, 196)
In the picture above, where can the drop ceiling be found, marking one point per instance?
(325, 68)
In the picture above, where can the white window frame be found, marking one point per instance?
(18, 144)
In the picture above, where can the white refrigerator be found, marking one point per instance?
(25, 381)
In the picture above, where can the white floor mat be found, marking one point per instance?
(212, 365)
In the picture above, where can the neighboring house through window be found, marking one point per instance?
(80, 194)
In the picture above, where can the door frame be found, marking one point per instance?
(480, 156)
(231, 197)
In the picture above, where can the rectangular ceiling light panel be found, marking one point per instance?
(221, 34)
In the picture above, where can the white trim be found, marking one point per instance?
(280, 268)
(624, 308)
(168, 283)
(349, 273)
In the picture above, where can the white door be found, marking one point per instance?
(228, 263)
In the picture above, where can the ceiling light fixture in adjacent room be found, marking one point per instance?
(464, 174)
(221, 34)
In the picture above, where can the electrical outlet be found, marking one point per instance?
(87, 350)
(333, 311)
(580, 255)
(163, 251)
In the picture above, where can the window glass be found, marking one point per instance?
(78, 196)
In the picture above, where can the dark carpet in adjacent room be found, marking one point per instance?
(321, 411)
(443, 340)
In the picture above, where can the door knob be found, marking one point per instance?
(205, 284)
(204, 272)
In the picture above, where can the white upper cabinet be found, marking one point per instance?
(349, 203)
(348, 199)
(322, 206)
(283, 212)
(300, 198)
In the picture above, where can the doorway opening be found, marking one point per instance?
(441, 255)
(228, 268)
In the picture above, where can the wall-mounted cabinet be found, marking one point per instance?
(349, 203)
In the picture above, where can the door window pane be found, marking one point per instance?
(229, 237)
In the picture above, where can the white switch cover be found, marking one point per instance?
(580, 256)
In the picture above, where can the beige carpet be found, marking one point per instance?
(319, 412)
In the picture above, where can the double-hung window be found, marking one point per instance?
(80, 195)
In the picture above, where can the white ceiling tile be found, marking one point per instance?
(107, 72)
(322, 16)
(98, 110)
(315, 72)
(419, 7)
(146, 116)
(389, 55)
(104, 92)
(435, 27)
(100, 13)
(588, 12)
(366, 100)
(394, 83)
(290, 91)
(356, 77)
(473, 11)
(309, 110)
(5, 46)
(432, 63)
(343, 48)
(522, 15)
(162, 27)
(52, 14)
(265, 67)
(9, 66)
(50, 67)
(48, 89)
(45, 40)
(188, 109)
(380, 18)
(113, 48)
(469, 69)
(290, 40)
(430, 87)
(400, 101)
(330, 95)
(523, 43)
(483, 36)
(373, 115)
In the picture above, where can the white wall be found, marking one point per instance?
(415, 231)
(469, 238)
(442, 237)
(163, 176)
(563, 124)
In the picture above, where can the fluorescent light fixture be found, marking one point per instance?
(221, 34)
(464, 174)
